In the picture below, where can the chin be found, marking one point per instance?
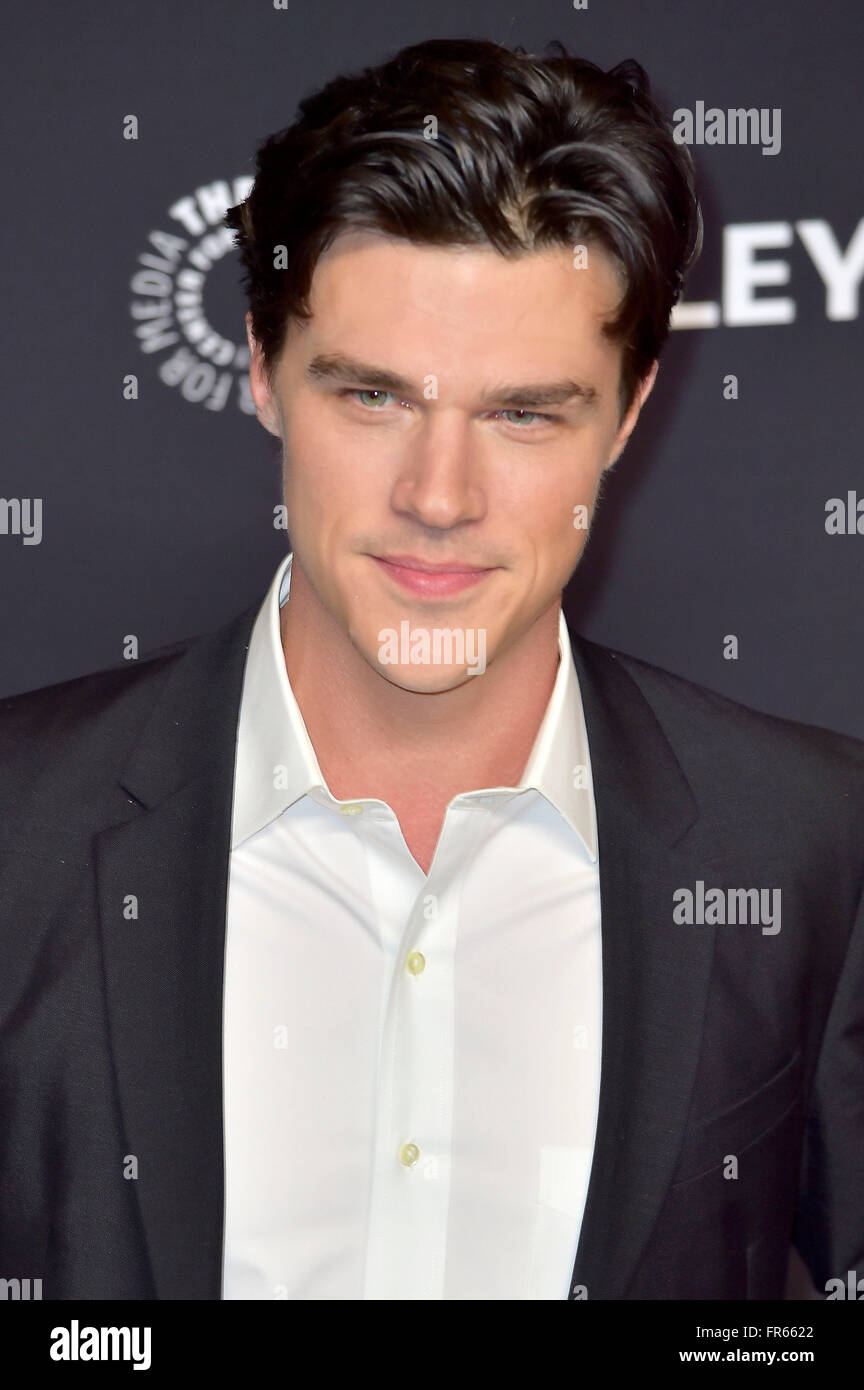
(428, 681)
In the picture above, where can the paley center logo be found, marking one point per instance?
(169, 300)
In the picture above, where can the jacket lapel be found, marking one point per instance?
(164, 967)
(655, 974)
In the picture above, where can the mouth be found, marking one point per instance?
(421, 577)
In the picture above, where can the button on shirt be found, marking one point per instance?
(411, 1062)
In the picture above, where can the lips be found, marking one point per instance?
(422, 577)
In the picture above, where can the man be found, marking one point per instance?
(393, 941)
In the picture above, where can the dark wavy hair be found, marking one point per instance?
(530, 151)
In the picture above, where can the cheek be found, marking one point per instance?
(552, 506)
(318, 472)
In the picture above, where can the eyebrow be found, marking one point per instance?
(333, 366)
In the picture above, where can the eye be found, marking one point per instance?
(532, 414)
(357, 392)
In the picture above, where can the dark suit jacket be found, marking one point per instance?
(718, 1040)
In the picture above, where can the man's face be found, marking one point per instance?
(431, 478)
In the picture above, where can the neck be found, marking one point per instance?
(374, 739)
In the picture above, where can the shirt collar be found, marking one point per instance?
(276, 763)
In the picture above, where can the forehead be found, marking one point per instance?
(370, 291)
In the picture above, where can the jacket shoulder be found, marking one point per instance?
(67, 707)
(63, 746)
(695, 717)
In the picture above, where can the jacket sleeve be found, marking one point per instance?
(829, 1226)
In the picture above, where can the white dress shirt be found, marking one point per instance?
(411, 1062)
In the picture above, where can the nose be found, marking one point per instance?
(439, 482)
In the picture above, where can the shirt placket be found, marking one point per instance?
(413, 1127)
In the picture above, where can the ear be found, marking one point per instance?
(627, 424)
(265, 404)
